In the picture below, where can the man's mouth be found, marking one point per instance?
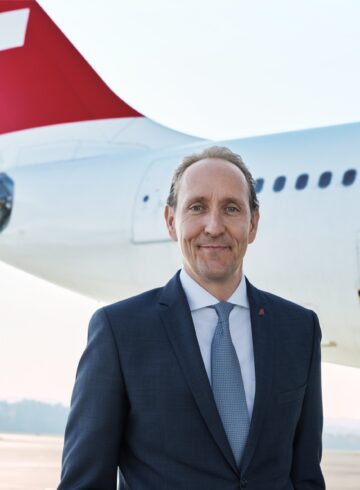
(214, 247)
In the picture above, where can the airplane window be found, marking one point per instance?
(301, 182)
(279, 183)
(349, 177)
(259, 184)
(325, 179)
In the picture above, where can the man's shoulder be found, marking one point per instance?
(139, 311)
(134, 304)
(279, 303)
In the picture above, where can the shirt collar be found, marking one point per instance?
(198, 297)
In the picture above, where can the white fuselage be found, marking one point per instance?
(95, 224)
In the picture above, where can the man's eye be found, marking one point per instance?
(196, 208)
(232, 209)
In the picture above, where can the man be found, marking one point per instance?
(207, 383)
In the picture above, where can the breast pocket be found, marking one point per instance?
(292, 395)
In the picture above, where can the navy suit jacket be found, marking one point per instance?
(142, 401)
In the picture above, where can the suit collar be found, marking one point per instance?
(176, 317)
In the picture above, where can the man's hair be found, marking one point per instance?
(212, 152)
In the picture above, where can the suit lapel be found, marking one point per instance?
(263, 342)
(176, 317)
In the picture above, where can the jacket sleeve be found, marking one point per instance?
(306, 472)
(98, 410)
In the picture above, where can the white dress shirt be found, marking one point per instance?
(205, 320)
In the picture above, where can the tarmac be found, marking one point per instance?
(33, 463)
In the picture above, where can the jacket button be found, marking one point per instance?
(243, 483)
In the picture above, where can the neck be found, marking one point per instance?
(221, 290)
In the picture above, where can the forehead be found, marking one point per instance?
(213, 175)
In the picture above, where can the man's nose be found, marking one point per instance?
(214, 223)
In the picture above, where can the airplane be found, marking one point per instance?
(84, 179)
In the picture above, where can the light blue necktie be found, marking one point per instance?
(227, 383)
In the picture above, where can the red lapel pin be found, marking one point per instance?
(261, 312)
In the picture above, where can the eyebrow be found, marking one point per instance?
(225, 200)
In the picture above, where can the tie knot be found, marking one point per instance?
(223, 310)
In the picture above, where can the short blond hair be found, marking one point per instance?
(213, 152)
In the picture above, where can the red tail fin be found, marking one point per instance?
(43, 79)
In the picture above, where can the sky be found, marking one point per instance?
(213, 69)
(223, 69)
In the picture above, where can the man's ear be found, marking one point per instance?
(169, 214)
(254, 225)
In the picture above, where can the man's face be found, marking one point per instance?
(212, 221)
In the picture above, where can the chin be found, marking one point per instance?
(211, 275)
(218, 272)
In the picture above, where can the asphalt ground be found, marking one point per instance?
(33, 463)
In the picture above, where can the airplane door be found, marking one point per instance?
(148, 217)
